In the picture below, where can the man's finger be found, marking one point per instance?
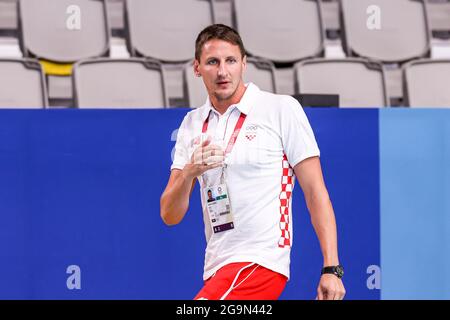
(198, 158)
(202, 159)
(201, 153)
(211, 147)
(332, 295)
(205, 142)
(214, 159)
(212, 153)
(320, 294)
(213, 166)
(204, 148)
(342, 294)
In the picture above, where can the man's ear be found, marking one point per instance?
(244, 63)
(196, 71)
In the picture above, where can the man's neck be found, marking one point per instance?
(222, 106)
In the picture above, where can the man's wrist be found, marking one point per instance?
(330, 262)
(187, 175)
(337, 270)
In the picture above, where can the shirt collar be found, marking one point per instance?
(244, 106)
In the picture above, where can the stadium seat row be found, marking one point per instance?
(285, 31)
(141, 82)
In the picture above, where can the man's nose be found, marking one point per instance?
(222, 69)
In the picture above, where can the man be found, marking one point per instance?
(248, 246)
(210, 197)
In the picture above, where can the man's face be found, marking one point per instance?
(221, 65)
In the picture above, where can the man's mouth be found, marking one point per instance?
(222, 83)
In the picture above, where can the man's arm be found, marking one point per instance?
(175, 198)
(310, 178)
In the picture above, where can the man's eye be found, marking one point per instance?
(212, 62)
(231, 60)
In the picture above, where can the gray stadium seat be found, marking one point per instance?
(47, 29)
(427, 83)
(166, 29)
(115, 9)
(119, 83)
(8, 12)
(260, 72)
(282, 31)
(194, 89)
(403, 34)
(358, 82)
(22, 84)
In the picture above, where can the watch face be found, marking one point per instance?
(340, 271)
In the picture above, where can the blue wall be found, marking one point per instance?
(348, 140)
(82, 187)
(415, 203)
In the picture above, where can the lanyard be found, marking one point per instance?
(235, 134)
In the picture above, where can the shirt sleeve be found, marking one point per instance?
(297, 135)
(180, 154)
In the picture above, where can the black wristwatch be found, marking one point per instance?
(338, 271)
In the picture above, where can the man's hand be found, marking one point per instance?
(330, 288)
(205, 157)
(175, 198)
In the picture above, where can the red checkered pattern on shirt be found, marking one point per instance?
(287, 184)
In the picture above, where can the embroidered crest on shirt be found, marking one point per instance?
(251, 131)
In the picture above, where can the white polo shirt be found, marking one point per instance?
(275, 136)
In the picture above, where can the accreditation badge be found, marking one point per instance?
(218, 207)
